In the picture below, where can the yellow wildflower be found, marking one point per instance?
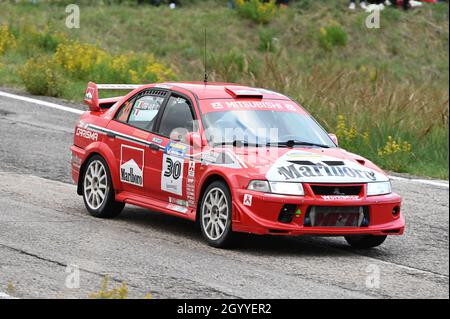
(7, 40)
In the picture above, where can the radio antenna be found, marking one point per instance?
(205, 62)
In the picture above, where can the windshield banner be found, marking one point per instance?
(259, 105)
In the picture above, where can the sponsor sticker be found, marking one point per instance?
(132, 165)
(271, 105)
(177, 208)
(248, 200)
(294, 171)
(87, 134)
(191, 172)
(219, 159)
(176, 149)
(340, 197)
(177, 201)
(312, 167)
(209, 157)
(89, 94)
(172, 174)
(148, 104)
(190, 184)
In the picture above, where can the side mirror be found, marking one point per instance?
(334, 139)
(194, 139)
(178, 134)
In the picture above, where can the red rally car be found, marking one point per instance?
(232, 158)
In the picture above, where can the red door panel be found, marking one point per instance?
(128, 145)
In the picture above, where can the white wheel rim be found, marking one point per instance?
(215, 213)
(95, 184)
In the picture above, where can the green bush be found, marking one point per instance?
(257, 10)
(31, 40)
(42, 76)
(332, 36)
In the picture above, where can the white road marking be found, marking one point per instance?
(5, 296)
(420, 181)
(40, 102)
(409, 268)
(75, 111)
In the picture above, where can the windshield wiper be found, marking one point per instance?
(237, 143)
(292, 143)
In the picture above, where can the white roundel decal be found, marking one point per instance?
(301, 166)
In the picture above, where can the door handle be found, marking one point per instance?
(154, 147)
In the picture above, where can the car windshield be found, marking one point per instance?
(264, 127)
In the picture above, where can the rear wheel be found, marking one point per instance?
(98, 191)
(365, 241)
(215, 215)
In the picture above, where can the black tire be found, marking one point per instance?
(226, 239)
(108, 208)
(365, 241)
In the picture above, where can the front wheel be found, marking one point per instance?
(98, 190)
(365, 241)
(215, 215)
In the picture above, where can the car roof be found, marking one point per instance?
(217, 90)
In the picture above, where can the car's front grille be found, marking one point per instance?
(337, 216)
(339, 190)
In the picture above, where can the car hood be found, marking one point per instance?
(309, 165)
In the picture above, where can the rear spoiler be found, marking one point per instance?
(95, 104)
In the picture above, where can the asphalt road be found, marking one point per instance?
(46, 233)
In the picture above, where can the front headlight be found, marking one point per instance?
(378, 188)
(287, 188)
(277, 187)
(259, 186)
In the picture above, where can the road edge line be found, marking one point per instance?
(420, 181)
(40, 102)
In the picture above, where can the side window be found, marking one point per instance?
(140, 111)
(177, 116)
(144, 111)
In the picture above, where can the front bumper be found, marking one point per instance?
(260, 215)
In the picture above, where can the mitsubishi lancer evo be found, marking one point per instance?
(234, 159)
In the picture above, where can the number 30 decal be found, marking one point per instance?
(173, 168)
(172, 175)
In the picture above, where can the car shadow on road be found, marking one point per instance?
(145, 221)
